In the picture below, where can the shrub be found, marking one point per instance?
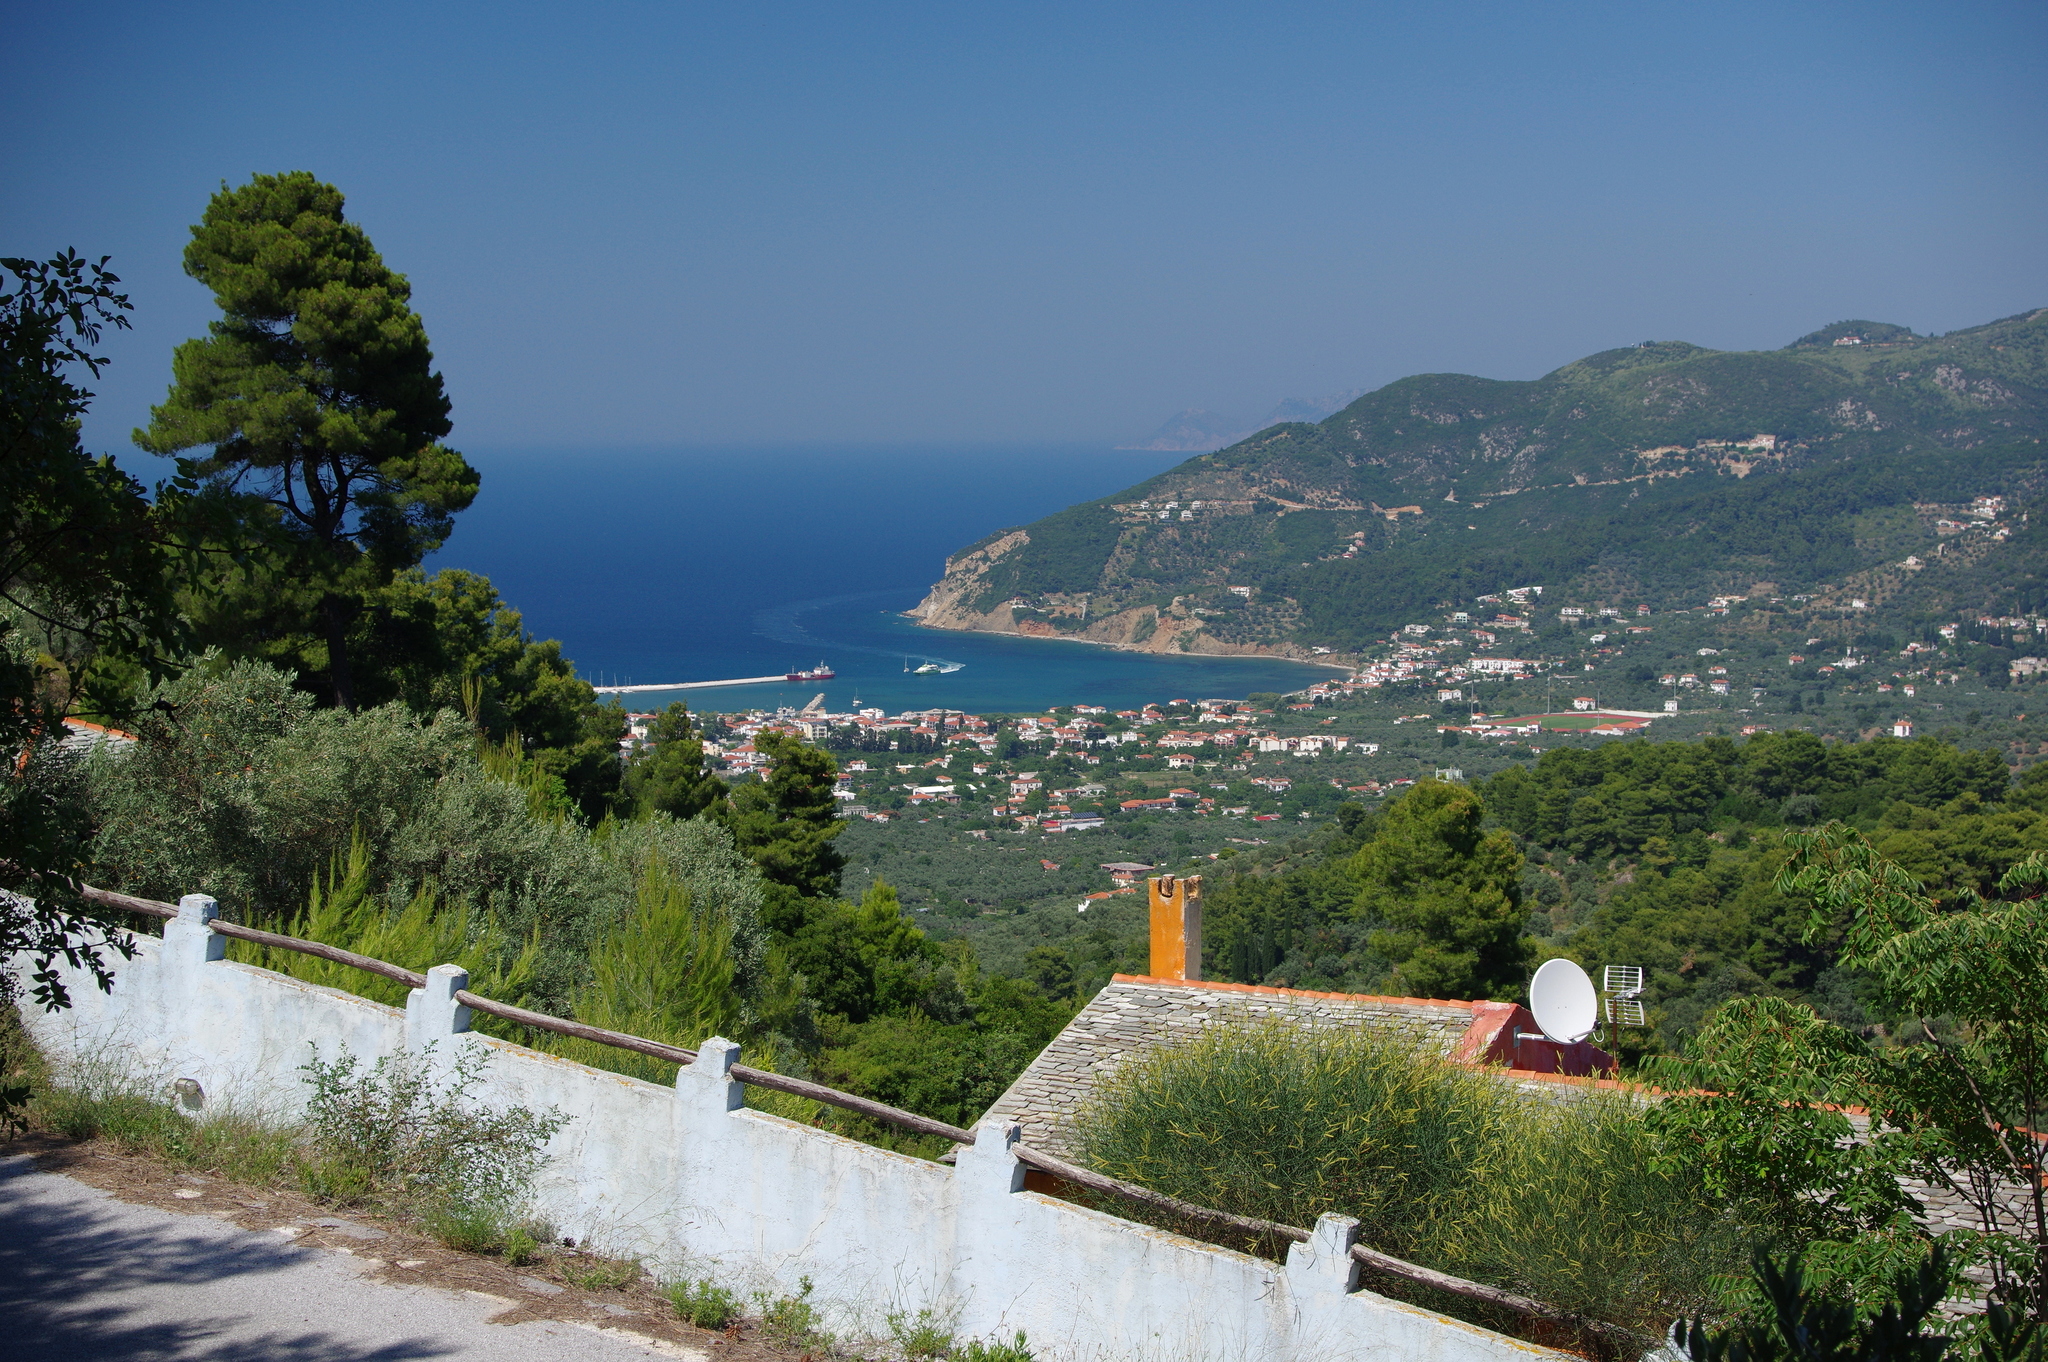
(665, 973)
(1580, 1210)
(241, 789)
(343, 910)
(994, 1350)
(1266, 1121)
(392, 1133)
(920, 1336)
(1442, 1165)
(704, 1303)
(521, 1246)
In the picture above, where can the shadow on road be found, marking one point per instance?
(83, 1281)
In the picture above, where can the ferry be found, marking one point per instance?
(821, 672)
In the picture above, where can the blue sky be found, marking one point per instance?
(674, 224)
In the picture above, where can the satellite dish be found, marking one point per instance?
(1564, 1002)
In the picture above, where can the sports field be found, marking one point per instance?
(1576, 721)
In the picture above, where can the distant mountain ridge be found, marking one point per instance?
(1196, 431)
(1661, 471)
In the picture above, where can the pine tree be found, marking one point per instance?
(673, 780)
(1449, 894)
(316, 399)
(787, 824)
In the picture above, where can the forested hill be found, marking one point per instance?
(1657, 473)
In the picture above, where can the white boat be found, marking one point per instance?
(928, 669)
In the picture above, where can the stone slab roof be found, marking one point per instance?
(81, 737)
(1133, 1014)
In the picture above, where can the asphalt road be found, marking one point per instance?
(84, 1278)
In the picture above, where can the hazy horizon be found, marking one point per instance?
(640, 226)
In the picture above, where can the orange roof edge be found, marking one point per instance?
(100, 728)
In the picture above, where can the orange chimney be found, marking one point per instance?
(1176, 927)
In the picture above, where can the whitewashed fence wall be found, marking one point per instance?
(690, 1180)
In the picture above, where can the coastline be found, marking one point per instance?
(1125, 647)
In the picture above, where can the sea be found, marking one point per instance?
(696, 564)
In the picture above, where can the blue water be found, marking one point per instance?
(702, 564)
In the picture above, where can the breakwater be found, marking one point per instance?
(694, 685)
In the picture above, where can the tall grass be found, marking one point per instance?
(1268, 1122)
(1441, 1164)
(1580, 1210)
(96, 1095)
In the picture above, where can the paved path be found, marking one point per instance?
(84, 1277)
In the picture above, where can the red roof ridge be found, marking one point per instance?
(100, 728)
(1270, 991)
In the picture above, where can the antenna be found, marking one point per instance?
(1623, 985)
(1562, 999)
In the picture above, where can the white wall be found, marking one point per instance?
(691, 1180)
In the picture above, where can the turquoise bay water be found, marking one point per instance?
(703, 564)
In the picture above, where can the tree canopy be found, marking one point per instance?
(316, 400)
(788, 823)
(1449, 894)
(83, 559)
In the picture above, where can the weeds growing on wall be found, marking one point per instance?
(1017, 1349)
(792, 1321)
(920, 1336)
(389, 1136)
(393, 1134)
(703, 1303)
(1441, 1164)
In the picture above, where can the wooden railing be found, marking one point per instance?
(846, 1101)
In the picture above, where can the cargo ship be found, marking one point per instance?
(821, 672)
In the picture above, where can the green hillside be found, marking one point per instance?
(1657, 473)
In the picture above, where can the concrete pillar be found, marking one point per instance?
(190, 948)
(433, 1017)
(707, 1084)
(189, 938)
(987, 1167)
(989, 1265)
(1323, 1266)
(1176, 927)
